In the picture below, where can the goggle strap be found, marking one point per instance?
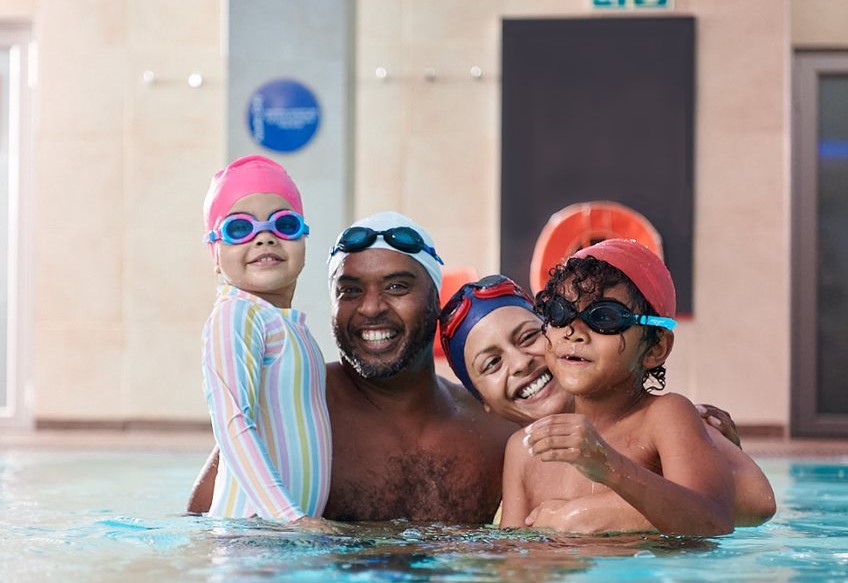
(659, 321)
(457, 317)
(501, 288)
(432, 251)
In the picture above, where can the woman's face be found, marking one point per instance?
(505, 358)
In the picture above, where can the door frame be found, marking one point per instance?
(807, 67)
(18, 410)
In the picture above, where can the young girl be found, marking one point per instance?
(264, 375)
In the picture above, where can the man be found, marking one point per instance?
(406, 442)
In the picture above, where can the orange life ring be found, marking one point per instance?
(583, 224)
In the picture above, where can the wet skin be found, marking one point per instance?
(406, 443)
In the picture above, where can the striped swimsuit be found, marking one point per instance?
(264, 381)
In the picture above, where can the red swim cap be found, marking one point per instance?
(647, 271)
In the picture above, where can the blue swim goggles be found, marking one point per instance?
(240, 228)
(604, 316)
(404, 239)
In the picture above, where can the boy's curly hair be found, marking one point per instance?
(590, 278)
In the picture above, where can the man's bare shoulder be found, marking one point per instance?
(459, 395)
(337, 380)
(471, 410)
(335, 374)
(341, 390)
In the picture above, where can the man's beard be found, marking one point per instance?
(420, 339)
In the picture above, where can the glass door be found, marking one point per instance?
(820, 245)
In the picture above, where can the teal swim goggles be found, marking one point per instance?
(240, 228)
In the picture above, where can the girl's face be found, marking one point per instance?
(504, 355)
(266, 266)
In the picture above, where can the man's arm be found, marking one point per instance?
(200, 498)
(753, 500)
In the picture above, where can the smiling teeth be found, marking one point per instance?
(535, 386)
(377, 335)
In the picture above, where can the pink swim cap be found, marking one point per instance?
(647, 271)
(245, 176)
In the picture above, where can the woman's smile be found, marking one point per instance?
(533, 388)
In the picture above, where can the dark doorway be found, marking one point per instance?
(598, 109)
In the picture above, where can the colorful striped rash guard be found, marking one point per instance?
(265, 381)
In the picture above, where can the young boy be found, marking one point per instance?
(608, 316)
(263, 373)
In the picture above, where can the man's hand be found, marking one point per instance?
(721, 420)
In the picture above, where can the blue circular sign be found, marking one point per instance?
(283, 115)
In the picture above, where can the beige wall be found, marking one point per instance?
(122, 284)
(118, 304)
(819, 24)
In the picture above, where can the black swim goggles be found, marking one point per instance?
(404, 239)
(603, 316)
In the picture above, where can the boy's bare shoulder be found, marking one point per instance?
(673, 414)
(671, 403)
(516, 441)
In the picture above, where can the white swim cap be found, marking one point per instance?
(374, 232)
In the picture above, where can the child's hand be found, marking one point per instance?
(318, 525)
(569, 437)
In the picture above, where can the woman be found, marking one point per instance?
(494, 343)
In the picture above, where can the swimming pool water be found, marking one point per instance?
(102, 516)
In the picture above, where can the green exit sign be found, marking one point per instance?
(631, 3)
